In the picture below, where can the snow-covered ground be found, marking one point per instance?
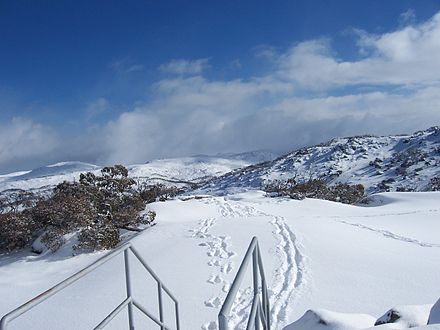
(318, 255)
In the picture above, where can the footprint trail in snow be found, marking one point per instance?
(287, 279)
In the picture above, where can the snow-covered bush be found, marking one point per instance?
(16, 200)
(434, 184)
(345, 193)
(316, 188)
(103, 234)
(98, 207)
(16, 230)
(406, 316)
(157, 192)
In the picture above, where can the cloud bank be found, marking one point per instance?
(309, 95)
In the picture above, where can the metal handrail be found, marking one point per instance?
(128, 302)
(260, 310)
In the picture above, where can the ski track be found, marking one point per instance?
(391, 235)
(288, 278)
(382, 214)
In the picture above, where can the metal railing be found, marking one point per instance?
(128, 302)
(260, 310)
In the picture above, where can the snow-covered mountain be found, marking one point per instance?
(184, 171)
(380, 163)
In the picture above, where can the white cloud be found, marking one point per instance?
(405, 57)
(408, 16)
(96, 108)
(185, 67)
(309, 96)
(24, 142)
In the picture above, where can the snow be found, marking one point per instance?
(173, 171)
(403, 317)
(380, 163)
(348, 264)
(323, 319)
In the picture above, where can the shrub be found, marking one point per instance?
(317, 188)
(157, 192)
(16, 200)
(102, 234)
(16, 230)
(96, 207)
(434, 184)
(347, 194)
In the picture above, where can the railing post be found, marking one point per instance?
(176, 304)
(257, 319)
(159, 297)
(266, 307)
(255, 269)
(128, 287)
(222, 322)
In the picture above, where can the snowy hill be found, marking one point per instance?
(358, 262)
(385, 163)
(196, 169)
(177, 171)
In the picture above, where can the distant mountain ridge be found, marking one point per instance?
(184, 171)
(380, 163)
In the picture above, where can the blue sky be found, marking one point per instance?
(129, 81)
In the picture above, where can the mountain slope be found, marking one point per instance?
(176, 171)
(384, 163)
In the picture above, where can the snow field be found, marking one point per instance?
(317, 255)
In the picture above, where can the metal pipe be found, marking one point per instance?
(257, 317)
(227, 305)
(255, 270)
(111, 316)
(151, 316)
(260, 310)
(58, 287)
(129, 301)
(128, 289)
(262, 316)
(266, 305)
(253, 313)
(152, 273)
(176, 304)
(159, 297)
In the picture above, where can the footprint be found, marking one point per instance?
(213, 262)
(214, 279)
(213, 302)
(231, 254)
(210, 326)
(226, 287)
(227, 268)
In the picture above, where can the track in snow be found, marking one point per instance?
(389, 234)
(288, 278)
(220, 255)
